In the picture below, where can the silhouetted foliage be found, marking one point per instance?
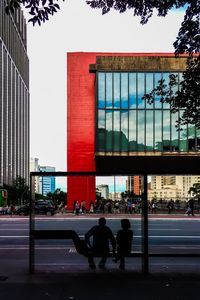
(57, 196)
(18, 192)
(40, 10)
(184, 95)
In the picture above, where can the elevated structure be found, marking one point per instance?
(111, 129)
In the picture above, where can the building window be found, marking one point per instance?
(126, 123)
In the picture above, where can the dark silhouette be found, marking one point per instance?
(124, 242)
(190, 209)
(102, 236)
(170, 206)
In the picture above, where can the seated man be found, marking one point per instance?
(102, 236)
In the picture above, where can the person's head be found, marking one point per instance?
(125, 224)
(102, 221)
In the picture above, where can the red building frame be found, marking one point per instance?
(81, 122)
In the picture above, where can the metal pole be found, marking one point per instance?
(145, 244)
(31, 227)
(114, 189)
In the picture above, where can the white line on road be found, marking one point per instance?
(136, 236)
(14, 236)
(14, 229)
(70, 249)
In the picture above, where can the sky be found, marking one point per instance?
(77, 27)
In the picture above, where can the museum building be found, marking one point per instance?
(111, 129)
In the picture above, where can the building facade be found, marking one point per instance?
(47, 184)
(104, 190)
(34, 167)
(176, 185)
(110, 128)
(134, 184)
(14, 97)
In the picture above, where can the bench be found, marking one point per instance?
(82, 248)
(80, 244)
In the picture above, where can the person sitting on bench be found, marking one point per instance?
(102, 237)
(124, 242)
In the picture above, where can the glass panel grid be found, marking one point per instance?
(125, 123)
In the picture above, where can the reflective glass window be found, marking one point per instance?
(149, 131)
(157, 77)
(166, 130)
(124, 130)
(174, 133)
(127, 123)
(197, 139)
(183, 137)
(132, 130)
(140, 90)
(158, 130)
(149, 87)
(141, 123)
(109, 130)
(116, 131)
(101, 90)
(116, 90)
(191, 138)
(132, 90)
(165, 76)
(124, 90)
(109, 102)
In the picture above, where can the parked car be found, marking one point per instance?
(45, 207)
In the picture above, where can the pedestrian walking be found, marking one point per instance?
(190, 207)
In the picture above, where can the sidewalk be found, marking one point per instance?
(108, 216)
(98, 285)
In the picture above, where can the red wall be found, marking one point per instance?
(80, 126)
(81, 122)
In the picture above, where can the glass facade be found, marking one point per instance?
(126, 123)
(14, 97)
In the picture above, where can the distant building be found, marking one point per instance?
(115, 196)
(167, 192)
(104, 190)
(34, 167)
(14, 97)
(178, 186)
(47, 184)
(134, 184)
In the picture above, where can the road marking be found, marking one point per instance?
(136, 236)
(71, 249)
(185, 247)
(15, 229)
(14, 236)
(165, 229)
(82, 218)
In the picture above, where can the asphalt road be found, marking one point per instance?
(165, 236)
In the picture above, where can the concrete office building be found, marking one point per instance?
(110, 128)
(180, 183)
(14, 97)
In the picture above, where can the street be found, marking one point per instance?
(175, 235)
